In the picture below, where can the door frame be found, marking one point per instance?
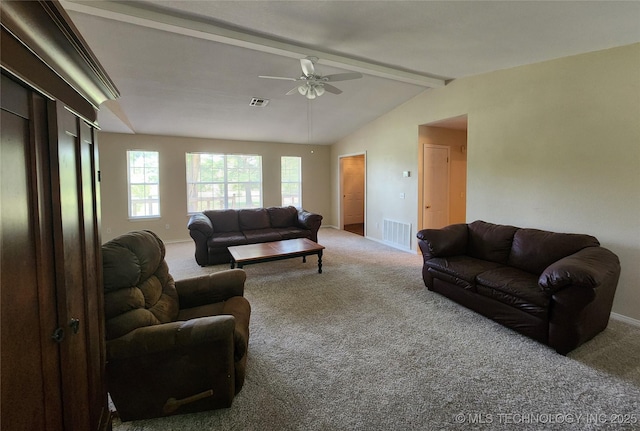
(340, 189)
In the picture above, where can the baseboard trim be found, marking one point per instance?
(176, 241)
(622, 318)
(375, 240)
(391, 245)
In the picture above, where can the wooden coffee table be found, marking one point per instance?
(269, 251)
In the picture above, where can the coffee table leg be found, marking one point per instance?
(233, 263)
(320, 262)
(304, 259)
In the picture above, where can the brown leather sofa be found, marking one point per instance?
(215, 230)
(556, 288)
(172, 346)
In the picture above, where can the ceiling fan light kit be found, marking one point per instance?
(313, 85)
(311, 91)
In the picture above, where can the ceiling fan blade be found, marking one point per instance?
(277, 77)
(342, 76)
(307, 67)
(331, 89)
(294, 90)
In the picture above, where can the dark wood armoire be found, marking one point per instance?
(52, 353)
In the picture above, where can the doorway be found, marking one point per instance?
(442, 183)
(352, 193)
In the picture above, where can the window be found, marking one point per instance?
(221, 181)
(291, 181)
(144, 185)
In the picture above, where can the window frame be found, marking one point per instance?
(147, 202)
(224, 181)
(283, 182)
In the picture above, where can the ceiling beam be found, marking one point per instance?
(160, 20)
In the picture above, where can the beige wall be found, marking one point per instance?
(173, 197)
(554, 145)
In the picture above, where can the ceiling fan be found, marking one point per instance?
(313, 85)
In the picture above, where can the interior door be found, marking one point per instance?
(352, 180)
(435, 213)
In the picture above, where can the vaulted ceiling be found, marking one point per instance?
(190, 68)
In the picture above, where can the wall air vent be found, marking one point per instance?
(397, 234)
(260, 103)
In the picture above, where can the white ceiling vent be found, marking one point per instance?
(260, 103)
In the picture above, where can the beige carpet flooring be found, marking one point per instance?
(365, 346)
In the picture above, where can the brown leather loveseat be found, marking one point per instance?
(215, 230)
(556, 288)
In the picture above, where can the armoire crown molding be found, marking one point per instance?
(61, 47)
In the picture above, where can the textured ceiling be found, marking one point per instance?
(190, 68)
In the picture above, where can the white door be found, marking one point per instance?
(352, 175)
(435, 213)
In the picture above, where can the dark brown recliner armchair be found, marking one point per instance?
(172, 347)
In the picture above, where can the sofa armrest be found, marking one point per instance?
(149, 366)
(172, 336)
(589, 267)
(308, 219)
(211, 288)
(201, 223)
(311, 221)
(582, 287)
(200, 229)
(448, 241)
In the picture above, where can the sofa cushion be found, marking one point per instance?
(261, 235)
(223, 220)
(213, 309)
(514, 282)
(283, 216)
(139, 291)
(516, 288)
(293, 232)
(535, 310)
(489, 241)
(533, 250)
(122, 300)
(452, 279)
(464, 268)
(131, 258)
(226, 239)
(254, 218)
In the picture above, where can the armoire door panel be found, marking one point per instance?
(93, 267)
(30, 363)
(45, 264)
(69, 239)
(19, 293)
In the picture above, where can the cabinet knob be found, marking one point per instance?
(58, 335)
(74, 324)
